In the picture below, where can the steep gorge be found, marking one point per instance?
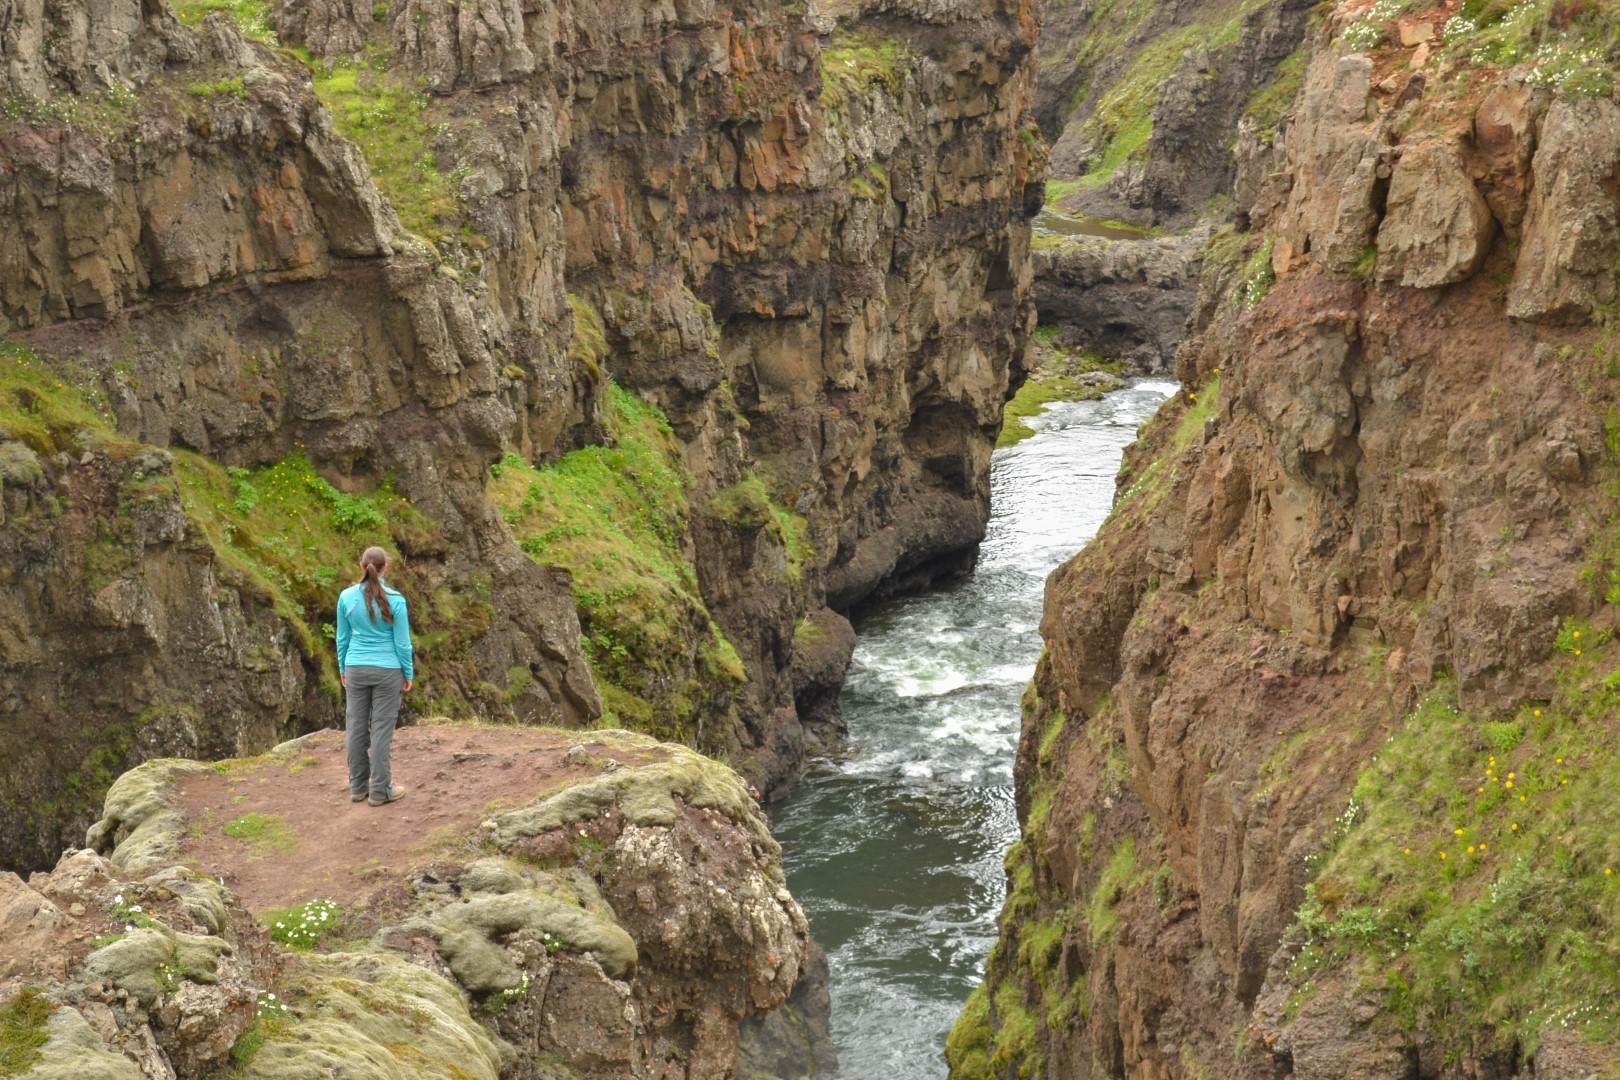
(1316, 775)
(281, 279)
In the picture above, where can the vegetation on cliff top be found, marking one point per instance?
(1561, 46)
(387, 119)
(614, 517)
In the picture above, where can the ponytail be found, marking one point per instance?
(372, 562)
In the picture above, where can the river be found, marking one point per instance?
(894, 846)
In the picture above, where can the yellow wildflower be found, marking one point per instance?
(1515, 826)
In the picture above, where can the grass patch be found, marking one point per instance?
(1203, 403)
(252, 17)
(22, 1031)
(303, 925)
(48, 411)
(1476, 872)
(1266, 107)
(614, 517)
(266, 834)
(387, 119)
(286, 533)
(232, 87)
(1123, 119)
(857, 65)
(1118, 877)
(1036, 393)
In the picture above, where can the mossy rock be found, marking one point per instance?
(73, 1051)
(141, 828)
(644, 794)
(131, 963)
(501, 899)
(376, 1016)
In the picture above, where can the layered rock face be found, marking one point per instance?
(801, 235)
(1315, 775)
(1121, 298)
(621, 925)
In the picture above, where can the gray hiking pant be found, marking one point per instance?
(373, 709)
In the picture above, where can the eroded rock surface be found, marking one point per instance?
(624, 923)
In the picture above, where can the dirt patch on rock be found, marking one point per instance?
(351, 852)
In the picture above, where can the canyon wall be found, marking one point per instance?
(1316, 772)
(650, 337)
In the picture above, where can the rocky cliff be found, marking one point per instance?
(1316, 776)
(648, 336)
(541, 904)
(1140, 101)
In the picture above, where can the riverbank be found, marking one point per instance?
(1061, 372)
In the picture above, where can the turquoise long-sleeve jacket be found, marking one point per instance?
(368, 643)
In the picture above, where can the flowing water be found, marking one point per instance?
(894, 846)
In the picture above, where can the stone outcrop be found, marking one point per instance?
(1265, 827)
(1123, 299)
(801, 234)
(621, 924)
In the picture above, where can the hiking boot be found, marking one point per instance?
(395, 793)
(357, 798)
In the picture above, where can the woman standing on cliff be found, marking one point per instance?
(374, 665)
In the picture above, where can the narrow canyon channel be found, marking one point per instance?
(894, 847)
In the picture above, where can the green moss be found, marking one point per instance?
(857, 64)
(372, 1014)
(1049, 738)
(615, 517)
(969, 1044)
(1014, 1046)
(645, 794)
(1478, 868)
(1036, 393)
(22, 1030)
